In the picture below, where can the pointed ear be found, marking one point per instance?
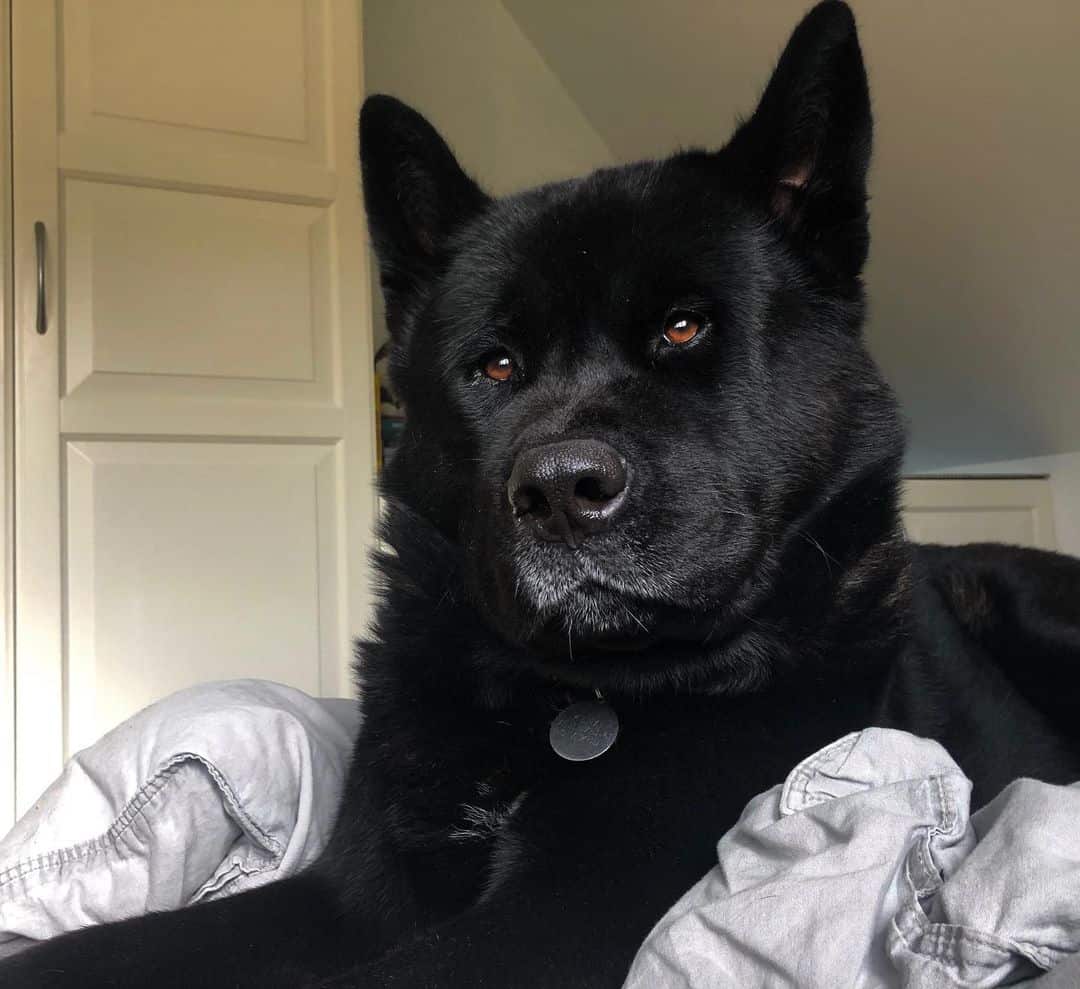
(416, 196)
(805, 151)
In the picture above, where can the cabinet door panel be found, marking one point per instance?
(955, 510)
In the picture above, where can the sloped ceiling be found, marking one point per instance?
(974, 277)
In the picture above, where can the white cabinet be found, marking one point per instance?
(7, 543)
(193, 431)
(953, 510)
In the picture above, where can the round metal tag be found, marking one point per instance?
(584, 731)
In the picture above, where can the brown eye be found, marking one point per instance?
(498, 367)
(681, 327)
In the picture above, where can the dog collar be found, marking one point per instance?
(584, 730)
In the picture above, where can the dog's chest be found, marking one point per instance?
(487, 817)
(631, 800)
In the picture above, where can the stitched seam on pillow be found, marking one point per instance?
(83, 850)
(800, 778)
(236, 873)
(234, 806)
(938, 943)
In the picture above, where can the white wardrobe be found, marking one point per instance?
(188, 424)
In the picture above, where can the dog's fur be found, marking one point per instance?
(755, 599)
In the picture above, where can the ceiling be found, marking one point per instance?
(975, 262)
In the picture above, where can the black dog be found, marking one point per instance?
(648, 464)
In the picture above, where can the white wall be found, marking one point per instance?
(1064, 471)
(7, 654)
(467, 66)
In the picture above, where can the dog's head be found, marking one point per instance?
(626, 394)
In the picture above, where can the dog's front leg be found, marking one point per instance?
(543, 933)
(562, 914)
(274, 937)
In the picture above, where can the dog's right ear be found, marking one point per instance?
(804, 153)
(416, 195)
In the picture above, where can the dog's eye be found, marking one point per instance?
(498, 366)
(681, 327)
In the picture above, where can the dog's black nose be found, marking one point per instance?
(568, 490)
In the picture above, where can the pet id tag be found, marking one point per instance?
(584, 730)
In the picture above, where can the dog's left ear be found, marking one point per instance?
(804, 153)
(416, 195)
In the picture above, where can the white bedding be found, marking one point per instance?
(215, 789)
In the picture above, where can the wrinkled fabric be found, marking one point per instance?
(865, 869)
(1010, 908)
(215, 789)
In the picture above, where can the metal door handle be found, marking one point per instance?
(39, 248)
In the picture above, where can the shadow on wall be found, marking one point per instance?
(467, 65)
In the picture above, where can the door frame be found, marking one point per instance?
(39, 695)
(7, 379)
